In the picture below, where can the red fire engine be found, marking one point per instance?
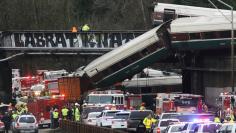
(167, 102)
(41, 106)
(226, 103)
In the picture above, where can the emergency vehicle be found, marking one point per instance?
(40, 107)
(24, 83)
(106, 99)
(226, 103)
(50, 80)
(174, 102)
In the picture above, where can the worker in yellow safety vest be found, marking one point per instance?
(64, 112)
(85, 27)
(77, 112)
(14, 115)
(149, 122)
(55, 114)
(217, 119)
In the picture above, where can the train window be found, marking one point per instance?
(135, 57)
(209, 35)
(125, 62)
(194, 36)
(98, 76)
(121, 100)
(145, 52)
(169, 14)
(225, 34)
(180, 37)
(182, 16)
(152, 48)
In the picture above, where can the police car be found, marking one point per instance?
(120, 120)
(105, 118)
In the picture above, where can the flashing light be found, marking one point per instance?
(53, 96)
(63, 95)
(37, 93)
(201, 120)
(107, 108)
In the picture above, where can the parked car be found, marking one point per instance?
(196, 117)
(227, 128)
(105, 118)
(135, 117)
(164, 123)
(120, 120)
(189, 127)
(176, 128)
(91, 118)
(207, 128)
(25, 123)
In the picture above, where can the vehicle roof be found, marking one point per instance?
(171, 113)
(169, 119)
(224, 124)
(123, 112)
(140, 111)
(208, 123)
(179, 124)
(28, 115)
(94, 113)
(111, 110)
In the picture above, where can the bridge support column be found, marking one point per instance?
(5, 80)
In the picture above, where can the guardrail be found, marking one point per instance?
(76, 127)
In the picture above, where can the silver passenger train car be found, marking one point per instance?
(128, 59)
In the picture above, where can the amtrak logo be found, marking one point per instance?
(68, 40)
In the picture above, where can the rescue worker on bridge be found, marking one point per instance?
(149, 122)
(77, 112)
(64, 112)
(55, 118)
(85, 27)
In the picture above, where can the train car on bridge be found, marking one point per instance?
(164, 12)
(128, 59)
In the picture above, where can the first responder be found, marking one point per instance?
(149, 123)
(217, 119)
(77, 112)
(14, 115)
(64, 112)
(85, 27)
(142, 107)
(55, 118)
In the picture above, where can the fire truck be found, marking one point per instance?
(40, 107)
(110, 99)
(226, 103)
(174, 102)
(50, 79)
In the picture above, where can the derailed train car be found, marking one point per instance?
(128, 59)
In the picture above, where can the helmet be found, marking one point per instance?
(76, 104)
(143, 104)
